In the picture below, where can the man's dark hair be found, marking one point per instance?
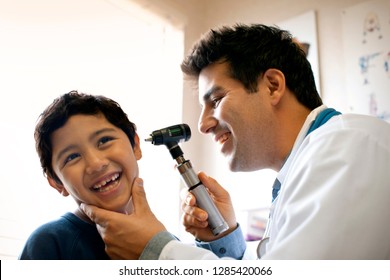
(250, 50)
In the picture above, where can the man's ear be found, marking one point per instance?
(276, 83)
(137, 147)
(58, 186)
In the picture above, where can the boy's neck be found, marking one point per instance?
(128, 209)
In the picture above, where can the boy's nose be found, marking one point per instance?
(95, 163)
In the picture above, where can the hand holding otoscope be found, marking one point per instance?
(170, 137)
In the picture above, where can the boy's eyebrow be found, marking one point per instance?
(70, 147)
(100, 131)
(64, 151)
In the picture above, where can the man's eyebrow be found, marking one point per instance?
(206, 96)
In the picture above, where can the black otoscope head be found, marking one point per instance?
(170, 137)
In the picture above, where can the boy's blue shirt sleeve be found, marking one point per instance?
(232, 245)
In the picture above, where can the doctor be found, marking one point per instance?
(331, 197)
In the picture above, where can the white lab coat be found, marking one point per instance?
(334, 201)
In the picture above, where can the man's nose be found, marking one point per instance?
(207, 121)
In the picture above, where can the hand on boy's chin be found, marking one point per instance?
(126, 236)
(128, 208)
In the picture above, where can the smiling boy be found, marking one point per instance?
(89, 150)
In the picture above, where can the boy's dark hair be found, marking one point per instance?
(250, 50)
(67, 105)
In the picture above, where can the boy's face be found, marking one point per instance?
(95, 162)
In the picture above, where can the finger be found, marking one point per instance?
(189, 222)
(187, 198)
(140, 202)
(214, 187)
(97, 215)
(196, 213)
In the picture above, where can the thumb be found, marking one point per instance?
(140, 202)
(212, 185)
(97, 215)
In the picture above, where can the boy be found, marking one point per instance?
(88, 149)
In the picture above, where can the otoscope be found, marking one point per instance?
(170, 137)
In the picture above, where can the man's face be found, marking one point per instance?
(95, 162)
(239, 121)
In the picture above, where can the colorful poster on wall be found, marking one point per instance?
(366, 34)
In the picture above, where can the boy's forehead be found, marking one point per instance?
(83, 122)
(79, 128)
(98, 116)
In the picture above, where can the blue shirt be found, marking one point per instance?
(68, 238)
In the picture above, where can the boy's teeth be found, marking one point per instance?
(102, 184)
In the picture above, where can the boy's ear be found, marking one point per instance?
(276, 82)
(58, 186)
(137, 147)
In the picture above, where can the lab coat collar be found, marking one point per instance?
(298, 141)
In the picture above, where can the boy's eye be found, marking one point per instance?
(104, 140)
(71, 157)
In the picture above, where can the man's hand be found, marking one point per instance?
(194, 219)
(126, 236)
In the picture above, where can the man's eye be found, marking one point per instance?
(71, 157)
(215, 102)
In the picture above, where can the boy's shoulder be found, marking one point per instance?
(63, 238)
(66, 224)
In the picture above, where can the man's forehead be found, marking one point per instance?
(210, 77)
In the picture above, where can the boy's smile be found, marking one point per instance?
(106, 184)
(95, 162)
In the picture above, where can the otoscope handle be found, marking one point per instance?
(216, 222)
